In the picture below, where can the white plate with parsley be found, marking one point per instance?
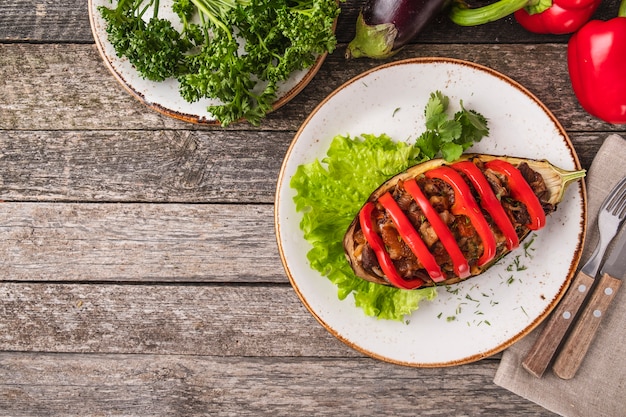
(364, 132)
(190, 64)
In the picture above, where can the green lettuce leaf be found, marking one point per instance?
(330, 193)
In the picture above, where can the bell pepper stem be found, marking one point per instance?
(463, 15)
(621, 12)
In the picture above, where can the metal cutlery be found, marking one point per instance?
(578, 342)
(609, 220)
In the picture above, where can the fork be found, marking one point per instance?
(610, 217)
(573, 351)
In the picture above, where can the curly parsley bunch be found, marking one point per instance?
(235, 51)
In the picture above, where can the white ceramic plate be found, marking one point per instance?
(163, 96)
(489, 312)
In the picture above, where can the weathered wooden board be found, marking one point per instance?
(215, 320)
(68, 21)
(150, 385)
(138, 243)
(60, 86)
(140, 273)
(192, 166)
(166, 166)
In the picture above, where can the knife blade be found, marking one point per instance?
(615, 264)
(577, 344)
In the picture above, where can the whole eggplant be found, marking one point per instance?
(385, 26)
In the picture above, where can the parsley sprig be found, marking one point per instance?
(447, 136)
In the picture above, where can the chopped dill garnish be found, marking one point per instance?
(527, 246)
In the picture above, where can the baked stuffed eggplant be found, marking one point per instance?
(439, 223)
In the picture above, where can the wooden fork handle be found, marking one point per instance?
(540, 355)
(575, 347)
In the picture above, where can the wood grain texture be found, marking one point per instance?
(64, 21)
(583, 333)
(67, 385)
(160, 166)
(192, 166)
(215, 320)
(68, 87)
(561, 319)
(139, 243)
(140, 274)
(45, 21)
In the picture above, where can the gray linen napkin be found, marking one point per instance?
(599, 387)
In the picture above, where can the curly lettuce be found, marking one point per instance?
(330, 193)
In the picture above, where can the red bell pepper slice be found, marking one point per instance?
(461, 267)
(489, 202)
(411, 237)
(377, 245)
(466, 205)
(596, 60)
(520, 191)
(562, 17)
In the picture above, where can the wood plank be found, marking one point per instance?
(214, 320)
(68, 87)
(62, 384)
(48, 21)
(59, 87)
(193, 166)
(178, 166)
(139, 242)
(67, 21)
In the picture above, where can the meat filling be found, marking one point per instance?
(441, 196)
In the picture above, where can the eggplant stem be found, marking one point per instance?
(373, 41)
(567, 177)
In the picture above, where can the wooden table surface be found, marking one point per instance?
(140, 272)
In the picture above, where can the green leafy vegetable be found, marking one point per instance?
(234, 51)
(446, 136)
(154, 47)
(331, 192)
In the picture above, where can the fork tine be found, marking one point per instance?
(617, 196)
(620, 210)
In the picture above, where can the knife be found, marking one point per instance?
(573, 351)
(540, 354)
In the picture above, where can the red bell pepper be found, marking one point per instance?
(596, 59)
(411, 237)
(461, 267)
(465, 204)
(377, 245)
(489, 202)
(521, 191)
(564, 16)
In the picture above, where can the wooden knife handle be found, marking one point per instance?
(540, 355)
(573, 352)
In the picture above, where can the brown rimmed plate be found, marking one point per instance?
(481, 316)
(164, 96)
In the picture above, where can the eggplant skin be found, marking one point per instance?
(384, 26)
(554, 179)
